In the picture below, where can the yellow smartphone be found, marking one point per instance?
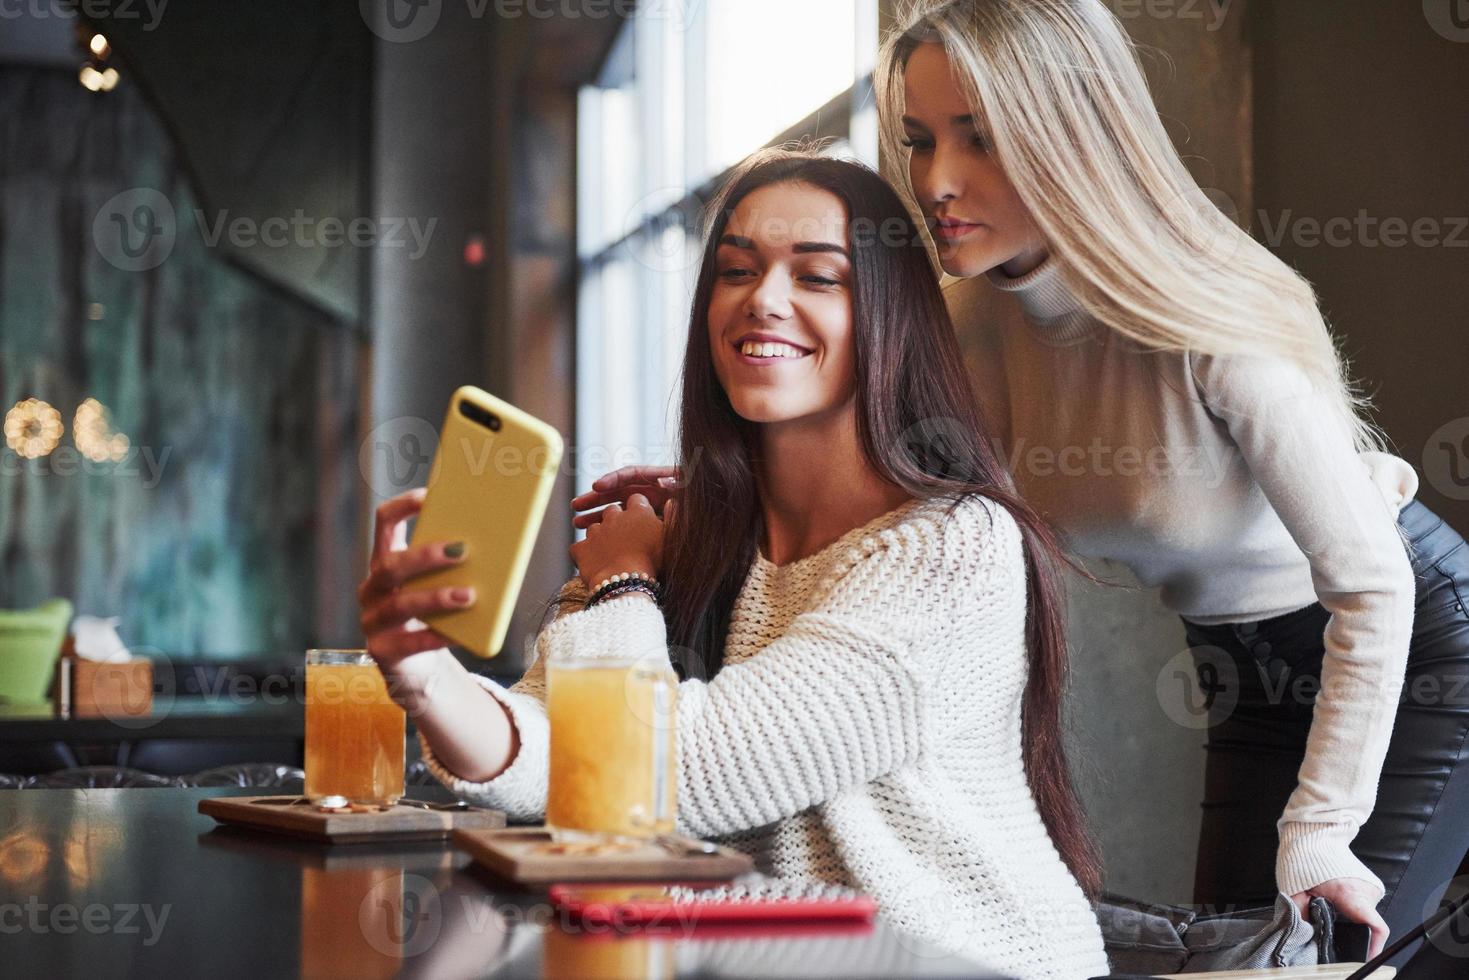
(488, 487)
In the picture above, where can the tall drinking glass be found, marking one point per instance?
(613, 772)
(354, 731)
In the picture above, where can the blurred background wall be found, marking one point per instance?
(194, 401)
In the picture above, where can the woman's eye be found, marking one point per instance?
(820, 281)
(735, 273)
(917, 145)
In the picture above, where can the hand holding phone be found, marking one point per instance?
(392, 606)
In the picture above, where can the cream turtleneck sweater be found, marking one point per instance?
(1227, 484)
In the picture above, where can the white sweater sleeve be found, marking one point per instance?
(520, 790)
(1302, 455)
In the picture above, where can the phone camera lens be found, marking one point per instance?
(494, 423)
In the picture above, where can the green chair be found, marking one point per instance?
(30, 645)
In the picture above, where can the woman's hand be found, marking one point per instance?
(657, 484)
(628, 540)
(390, 612)
(1353, 898)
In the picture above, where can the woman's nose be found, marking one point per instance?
(770, 299)
(939, 180)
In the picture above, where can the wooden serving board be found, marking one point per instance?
(294, 816)
(527, 855)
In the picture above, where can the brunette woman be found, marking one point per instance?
(869, 630)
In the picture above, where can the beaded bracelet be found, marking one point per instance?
(627, 588)
(625, 576)
(625, 581)
(633, 583)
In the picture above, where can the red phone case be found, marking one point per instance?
(648, 905)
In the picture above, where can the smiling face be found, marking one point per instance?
(780, 311)
(977, 218)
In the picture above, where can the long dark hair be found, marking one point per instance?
(920, 428)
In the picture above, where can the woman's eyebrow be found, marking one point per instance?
(966, 120)
(803, 247)
(740, 241)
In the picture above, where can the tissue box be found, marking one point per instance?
(92, 690)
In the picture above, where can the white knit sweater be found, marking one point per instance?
(864, 730)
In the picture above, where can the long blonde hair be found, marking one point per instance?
(1057, 88)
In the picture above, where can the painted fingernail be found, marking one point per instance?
(455, 550)
(462, 597)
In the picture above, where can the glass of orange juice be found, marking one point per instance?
(614, 765)
(354, 731)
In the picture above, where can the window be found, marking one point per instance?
(683, 96)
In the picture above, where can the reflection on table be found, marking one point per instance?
(136, 882)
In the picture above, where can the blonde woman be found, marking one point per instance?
(1145, 335)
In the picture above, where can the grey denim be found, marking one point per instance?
(1148, 939)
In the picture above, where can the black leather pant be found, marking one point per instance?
(1418, 833)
